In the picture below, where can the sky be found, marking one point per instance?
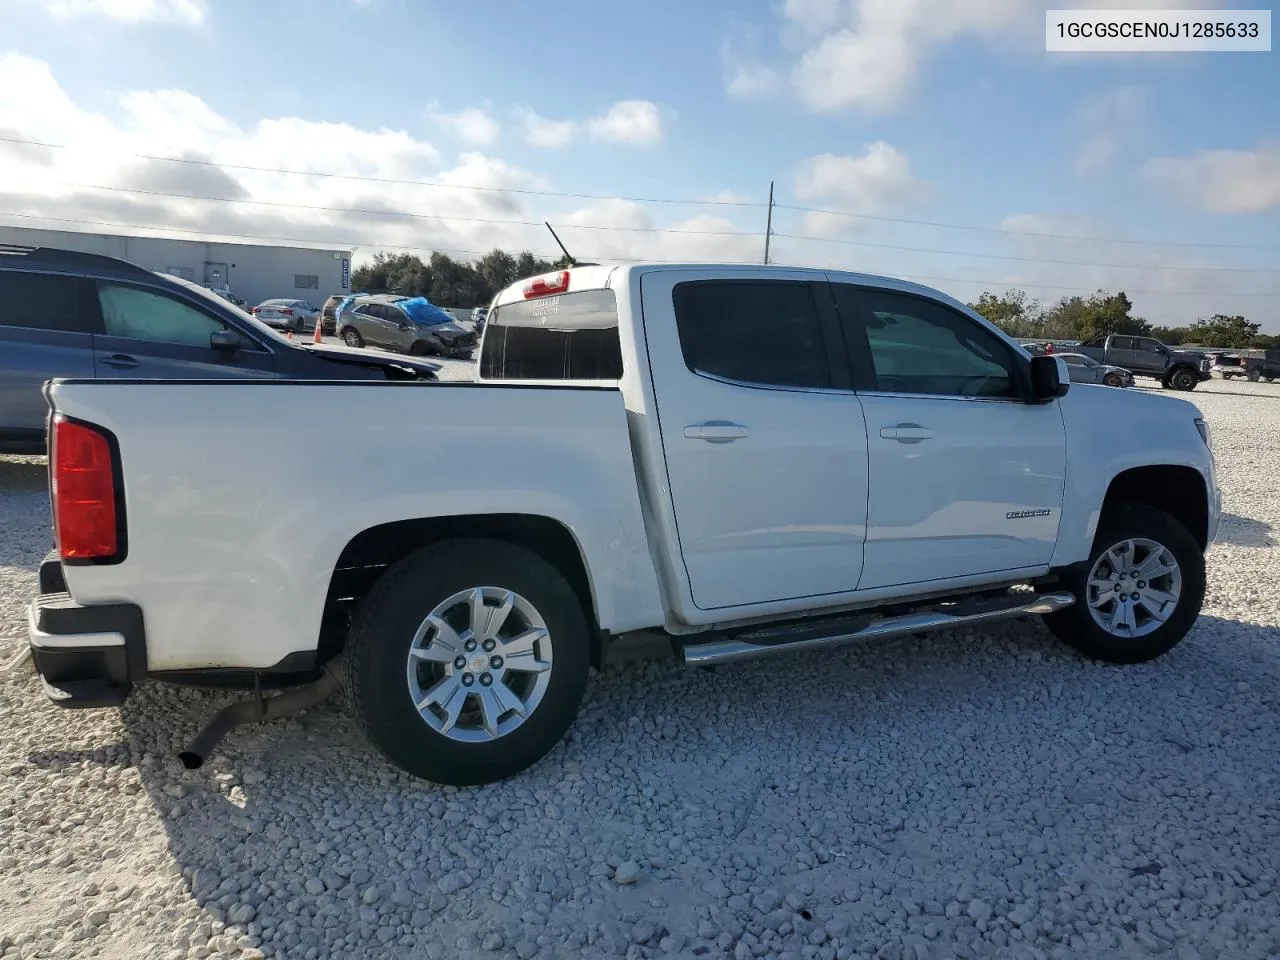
(929, 139)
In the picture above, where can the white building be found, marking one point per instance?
(252, 272)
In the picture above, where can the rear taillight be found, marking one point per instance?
(546, 285)
(255, 311)
(286, 312)
(83, 490)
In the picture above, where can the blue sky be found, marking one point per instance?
(923, 111)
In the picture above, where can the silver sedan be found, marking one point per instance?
(1088, 370)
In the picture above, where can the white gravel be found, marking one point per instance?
(975, 794)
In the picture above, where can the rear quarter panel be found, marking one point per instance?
(240, 497)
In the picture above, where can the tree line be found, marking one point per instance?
(1102, 313)
(447, 282)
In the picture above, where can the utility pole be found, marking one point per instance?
(768, 226)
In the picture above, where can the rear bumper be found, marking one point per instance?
(86, 656)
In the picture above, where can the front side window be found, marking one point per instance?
(921, 346)
(138, 314)
(40, 301)
(764, 332)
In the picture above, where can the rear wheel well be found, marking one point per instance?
(1178, 491)
(368, 555)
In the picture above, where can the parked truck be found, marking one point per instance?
(1148, 357)
(740, 461)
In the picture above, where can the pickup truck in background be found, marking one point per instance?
(1148, 357)
(1253, 365)
(742, 461)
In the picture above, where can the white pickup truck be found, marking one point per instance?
(745, 460)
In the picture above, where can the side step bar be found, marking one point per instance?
(736, 648)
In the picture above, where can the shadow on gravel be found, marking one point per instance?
(301, 838)
(23, 474)
(1244, 532)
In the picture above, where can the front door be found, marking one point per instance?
(149, 334)
(764, 441)
(965, 479)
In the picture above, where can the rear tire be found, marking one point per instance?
(351, 337)
(397, 651)
(1079, 625)
(1254, 375)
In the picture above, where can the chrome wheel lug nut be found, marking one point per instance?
(468, 679)
(495, 662)
(488, 646)
(469, 646)
(460, 662)
(485, 679)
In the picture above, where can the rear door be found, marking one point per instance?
(965, 479)
(764, 441)
(153, 334)
(1124, 353)
(44, 333)
(1149, 355)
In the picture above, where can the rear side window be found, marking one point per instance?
(763, 332)
(39, 301)
(570, 337)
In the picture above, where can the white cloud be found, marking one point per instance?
(869, 54)
(1221, 181)
(874, 182)
(728, 196)
(745, 77)
(463, 208)
(638, 122)
(191, 12)
(1109, 119)
(472, 124)
(541, 132)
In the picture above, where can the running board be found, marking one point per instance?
(739, 648)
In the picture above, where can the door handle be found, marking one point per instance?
(906, 433)
(120, 360)
(716, 431)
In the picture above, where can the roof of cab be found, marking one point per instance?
(598, 276)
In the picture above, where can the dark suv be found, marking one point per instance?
(70, 314)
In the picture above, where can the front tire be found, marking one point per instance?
(351, 337)
(467, 661)
(1106, 622)
(1113, 380)
(1183, 379)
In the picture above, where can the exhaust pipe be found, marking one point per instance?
(252, 711)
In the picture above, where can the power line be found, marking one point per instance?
(400, 182)
(660, 230)
(351, 244)
(1001, 256)
(1026, 233)
(394, 213)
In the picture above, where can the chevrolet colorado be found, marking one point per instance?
(741, 460)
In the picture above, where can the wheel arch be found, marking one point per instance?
(1179, 491)
(368, 554)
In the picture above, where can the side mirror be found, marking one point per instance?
(226, 341)
(1050, 378)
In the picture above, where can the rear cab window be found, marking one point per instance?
(570, 336)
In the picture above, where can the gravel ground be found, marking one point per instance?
(972, 794)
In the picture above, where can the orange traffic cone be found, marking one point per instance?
(289, 332)
(318, 336)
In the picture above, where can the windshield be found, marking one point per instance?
(249, 319)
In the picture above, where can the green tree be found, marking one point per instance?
(1013, 312)
(1100, 314)
(1173, 335)
(444, 281)
(1221, 330)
